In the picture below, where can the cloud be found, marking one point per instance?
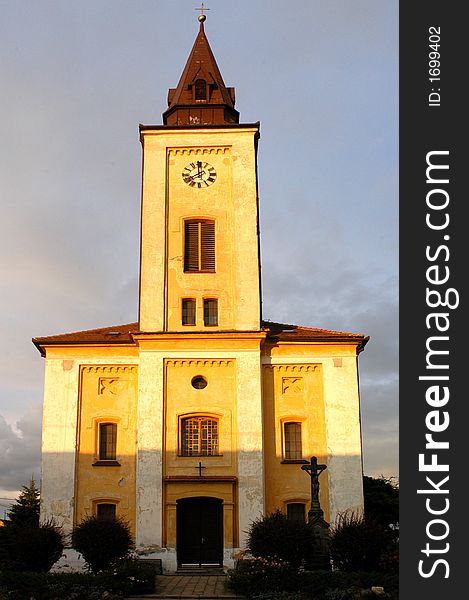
(20, 451)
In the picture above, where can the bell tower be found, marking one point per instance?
(200, 266)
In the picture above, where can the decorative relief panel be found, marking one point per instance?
(111, 386)
(292, 385)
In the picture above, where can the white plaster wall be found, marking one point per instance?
(342, 412)
(59, 423)
(250, 442)
(149, 449)
(59, 433)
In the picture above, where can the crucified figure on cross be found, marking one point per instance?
(315, 514)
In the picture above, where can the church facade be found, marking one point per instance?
(195, 420)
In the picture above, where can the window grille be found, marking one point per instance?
(199, 436)
(106, 511)
(210, 312)
(292, 438)
(296, 512)
(107, 441)
(188, 312)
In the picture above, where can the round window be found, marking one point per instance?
(199, 382)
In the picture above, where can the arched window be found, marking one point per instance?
(200, 89)
(199, 436)
(199, 246)
(107, 441)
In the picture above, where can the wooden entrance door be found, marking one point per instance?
(199, 535)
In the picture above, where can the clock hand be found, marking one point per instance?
(197, 175)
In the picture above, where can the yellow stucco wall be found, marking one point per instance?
(108, 394)
(231, 201)
(293, 393)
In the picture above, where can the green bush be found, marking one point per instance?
(30, 548)
(129, 577)
(358, 544)
(272, 580)
(276, 536)
(102, 542)
(262, 575)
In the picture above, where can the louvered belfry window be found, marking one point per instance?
(199, 246)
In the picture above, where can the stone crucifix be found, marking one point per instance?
(315, 514)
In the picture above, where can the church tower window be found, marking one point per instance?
(292, 441)
(188, 311)
(199, 436)
(200, 89)
(199, 246)
(210, 312)
(107, 441)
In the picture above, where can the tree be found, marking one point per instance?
(25, 511)
(381, 496)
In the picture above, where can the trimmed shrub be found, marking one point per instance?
(358, 544)
(30, 548)
(276, 536)
(102, 541)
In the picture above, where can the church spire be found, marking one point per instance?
(201, 96)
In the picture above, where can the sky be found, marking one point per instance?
(77, 78)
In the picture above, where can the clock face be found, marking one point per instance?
(199, 174)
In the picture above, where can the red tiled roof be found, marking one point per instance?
(120, 334)
(123, 334)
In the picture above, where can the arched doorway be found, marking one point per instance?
(199, 534)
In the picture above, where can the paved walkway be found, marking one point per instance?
(191, 586)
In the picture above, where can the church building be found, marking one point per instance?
(196, 419)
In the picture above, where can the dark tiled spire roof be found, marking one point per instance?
(209, 102)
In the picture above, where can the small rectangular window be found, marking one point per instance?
(296, 511)
(210, 312)
(292, 439)
(188, 312)
(106, 511)
(107, 441)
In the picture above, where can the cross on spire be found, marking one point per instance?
(202, 16)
